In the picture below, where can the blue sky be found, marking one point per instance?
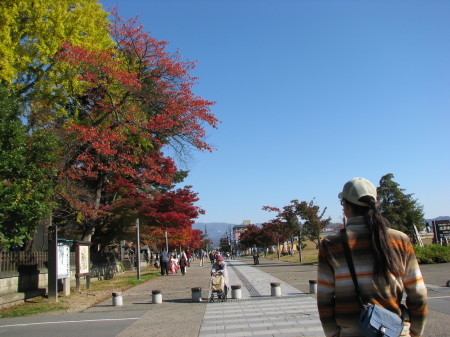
(310, 95)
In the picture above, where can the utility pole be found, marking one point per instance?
(167, 242)
(138, 248)
(53, 264)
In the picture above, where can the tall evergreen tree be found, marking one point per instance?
(400, 208)
(26, 184)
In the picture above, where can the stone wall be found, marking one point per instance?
(16, 287)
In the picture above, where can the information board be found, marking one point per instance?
(83, 260)
(442, 228)
(63, 261)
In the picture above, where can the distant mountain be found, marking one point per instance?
(215, 230)
(438, 218)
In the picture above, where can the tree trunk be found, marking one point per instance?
(300, 251)
(278, 246)
(90, 229)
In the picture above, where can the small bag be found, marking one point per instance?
(374, 320)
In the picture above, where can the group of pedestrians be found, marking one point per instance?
(172, 263)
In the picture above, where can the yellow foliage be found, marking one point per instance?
(31, 33)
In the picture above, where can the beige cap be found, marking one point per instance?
(357, 188)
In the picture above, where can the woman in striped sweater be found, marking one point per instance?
(385, 266)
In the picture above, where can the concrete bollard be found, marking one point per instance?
(275, 289)
(236, 292)
(196, 294)
(117, 299)
(312, 286)
(156, 297)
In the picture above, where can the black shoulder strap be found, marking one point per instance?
(351, 267)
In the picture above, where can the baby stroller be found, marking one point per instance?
(218, 288)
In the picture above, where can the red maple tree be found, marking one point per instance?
(138, 99)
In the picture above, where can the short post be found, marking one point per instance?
(66, 286)
(275, 289)
(156, 297)
(312, 286)
(236, 292)
(448, 283)
(196, 294)
(117, 299)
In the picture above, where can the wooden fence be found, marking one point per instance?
(14, 261)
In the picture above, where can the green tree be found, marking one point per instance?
(401, 209)
(314, 219)
(290, 224)
(26, 171)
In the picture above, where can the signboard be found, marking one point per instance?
(442, 229)
(82, 257)
(63, 268)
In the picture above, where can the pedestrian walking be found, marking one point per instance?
(255, 256)
(202, 256)
(189, 257)
(384, 263)
(164, 262)
(173, 264)
(211, 257)
(183, 263)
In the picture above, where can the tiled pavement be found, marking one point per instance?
(258, 313)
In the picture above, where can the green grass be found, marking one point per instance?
(309, 255)
(32, 307)
(125, 281)
(41, 305)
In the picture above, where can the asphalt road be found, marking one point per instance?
(101, 324)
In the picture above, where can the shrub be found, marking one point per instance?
(432, 254)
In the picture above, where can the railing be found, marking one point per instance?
(13, 261)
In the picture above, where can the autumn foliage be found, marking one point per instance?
(122, 104)
(137, 100)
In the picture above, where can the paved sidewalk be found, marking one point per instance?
(256, 314)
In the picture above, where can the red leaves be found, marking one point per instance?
(136, 99)
(270, 209)
(173, 208)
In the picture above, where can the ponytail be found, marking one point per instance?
(385, 259)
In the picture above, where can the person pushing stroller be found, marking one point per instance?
(220, 267)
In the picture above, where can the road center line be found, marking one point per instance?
(430, 298)
(65, 322)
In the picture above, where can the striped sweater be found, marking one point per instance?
(336, 299)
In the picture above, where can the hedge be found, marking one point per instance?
(432, 254)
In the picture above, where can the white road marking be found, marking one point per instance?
(430, 298)
(65, 322)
